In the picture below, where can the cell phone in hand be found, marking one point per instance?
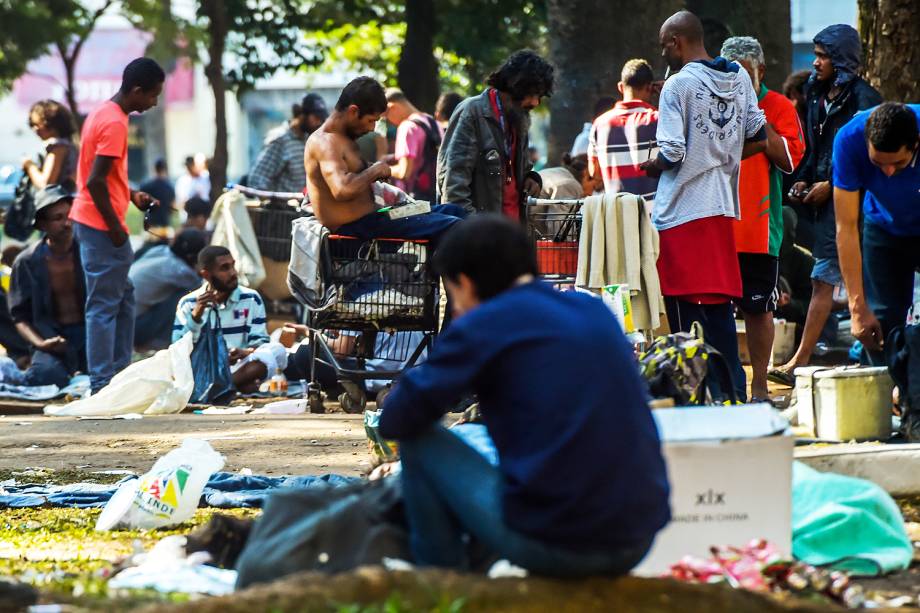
(148, 216)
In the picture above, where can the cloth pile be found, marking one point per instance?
(224, 490)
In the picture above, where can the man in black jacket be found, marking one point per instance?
(834, 94)
(483, 163)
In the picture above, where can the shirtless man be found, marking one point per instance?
(339, 182)
(47, 293)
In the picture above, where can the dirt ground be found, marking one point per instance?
(266, 444)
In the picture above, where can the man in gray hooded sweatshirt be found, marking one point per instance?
(708, 121)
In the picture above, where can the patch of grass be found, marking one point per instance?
(48, 476)
(58, 551)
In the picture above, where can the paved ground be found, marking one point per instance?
(267, 444)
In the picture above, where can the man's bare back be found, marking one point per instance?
(338, 183)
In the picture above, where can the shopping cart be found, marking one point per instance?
(271, 219)
(555, 226)
(384, 319)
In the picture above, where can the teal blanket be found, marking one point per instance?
(846, 523)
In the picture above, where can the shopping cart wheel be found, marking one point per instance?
(315, 402)
(352, 404)
(382, 395)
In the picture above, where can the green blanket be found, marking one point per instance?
(847, 523)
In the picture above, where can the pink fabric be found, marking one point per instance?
(410, 143)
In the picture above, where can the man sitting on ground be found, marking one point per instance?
(47, 293)
(577, 492)
(240, 318)
(340, 184)
(161, 278)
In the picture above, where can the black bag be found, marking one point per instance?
(328, 529)
(211, 364)
(902, 354)
(683, 367)
(20, 217)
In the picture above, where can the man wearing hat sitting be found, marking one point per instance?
(47, 294)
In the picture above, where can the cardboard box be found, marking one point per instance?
(730, 470)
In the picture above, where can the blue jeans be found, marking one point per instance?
(57, 368)
(153, 328)
(889, 263)
(827, 270)
(109, 304)
(430, 226)
(449, 490)
(719, 330)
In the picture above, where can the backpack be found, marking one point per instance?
(424, 188)
(683, 367)
(20, 217)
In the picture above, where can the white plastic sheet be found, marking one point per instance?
(158, 385)
(167, 569)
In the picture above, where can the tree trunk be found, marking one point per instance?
(889, 33)
(417, 67)
(589, 42)
(214, 71)
(769, 21)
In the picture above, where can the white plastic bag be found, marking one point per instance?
(155, 386)
(168, 494)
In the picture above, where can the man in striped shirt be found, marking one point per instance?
(237, 313)
(624, 137)
(279, 166)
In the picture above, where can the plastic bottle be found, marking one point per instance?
(278, 384)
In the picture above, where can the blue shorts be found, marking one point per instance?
(827, 270)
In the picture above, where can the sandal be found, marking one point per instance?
(782, 377)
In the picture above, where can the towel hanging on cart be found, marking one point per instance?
(311, 265)
(618, 244)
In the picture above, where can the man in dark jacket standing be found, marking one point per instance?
(483, 163)
(834, 94)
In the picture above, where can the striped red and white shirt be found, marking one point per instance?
(621, 139)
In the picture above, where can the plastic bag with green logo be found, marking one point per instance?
(168, 494)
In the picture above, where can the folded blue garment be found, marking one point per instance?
(224, 490)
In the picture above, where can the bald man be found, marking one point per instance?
(708, 121)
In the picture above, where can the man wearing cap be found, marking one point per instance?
(279, 166)
(47, 294)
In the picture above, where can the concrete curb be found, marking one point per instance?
(889, 466)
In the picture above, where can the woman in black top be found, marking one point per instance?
(57, 162)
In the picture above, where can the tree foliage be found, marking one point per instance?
(31, 27)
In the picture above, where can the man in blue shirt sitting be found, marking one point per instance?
(581, 486)
(877, 152)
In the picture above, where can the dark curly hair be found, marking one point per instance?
(892, 126)
(523, 74)
(55, 116)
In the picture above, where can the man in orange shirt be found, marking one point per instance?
(759, 232)
(99, 220)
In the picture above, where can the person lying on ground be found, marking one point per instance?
(47, 294)
(391, 350)
(161, 278)
(237, 313)
(577, 492)
(339, 183)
